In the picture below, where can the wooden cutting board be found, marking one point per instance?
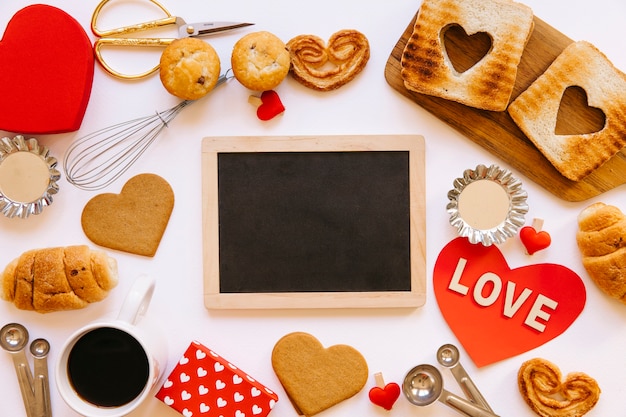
(497, 132)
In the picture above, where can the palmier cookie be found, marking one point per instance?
(540, 384)
(326, 67)
(190, 68)
(260, 61)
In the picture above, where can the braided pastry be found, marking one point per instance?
(327, 67)
(541, 387)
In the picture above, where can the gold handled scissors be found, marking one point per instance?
(109, 37)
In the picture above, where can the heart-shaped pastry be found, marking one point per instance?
(134, 220)
(498, 312)
(47, 74)
(316, 378)
(327, 67)
(540, 384)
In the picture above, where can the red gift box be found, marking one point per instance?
(204, 384)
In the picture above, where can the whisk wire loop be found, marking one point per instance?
(96, 160)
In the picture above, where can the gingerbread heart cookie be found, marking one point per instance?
(134, 220)
(543, 389)
(327, 67)
(316, 378)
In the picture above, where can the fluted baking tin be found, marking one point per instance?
(487, 205)
(28, 177)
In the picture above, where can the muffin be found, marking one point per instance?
(190, 68)
(260, 61)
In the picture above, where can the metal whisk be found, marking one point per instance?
(94, 161)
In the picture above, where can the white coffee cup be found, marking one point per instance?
(108, 368)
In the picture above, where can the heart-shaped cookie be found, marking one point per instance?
(498, 312)
(540, 384)
(316, 378)
(47, 74)
(327, 67)
(134, 220)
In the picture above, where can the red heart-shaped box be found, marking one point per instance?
(47, 72)
(497, 312)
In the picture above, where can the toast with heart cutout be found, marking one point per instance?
(426, 67)
(536, 109)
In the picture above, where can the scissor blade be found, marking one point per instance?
(209, 28)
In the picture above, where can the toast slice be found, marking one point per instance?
(426, 67)
(535, 110)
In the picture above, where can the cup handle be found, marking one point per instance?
(137, 299)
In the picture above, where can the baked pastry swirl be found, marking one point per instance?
(541, 385)
(327, 67)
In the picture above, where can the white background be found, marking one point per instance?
(392, 341)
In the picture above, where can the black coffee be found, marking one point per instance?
(108, 367)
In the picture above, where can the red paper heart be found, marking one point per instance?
(534, 303)
(534, 241)
(271, 105)
(385, 397)
(47, 74)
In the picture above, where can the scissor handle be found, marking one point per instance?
(128, 42)
(139, 27)
(168, 20)
(107, 38)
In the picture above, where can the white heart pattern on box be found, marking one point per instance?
(205, 384)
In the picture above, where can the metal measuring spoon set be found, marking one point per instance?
(423, 385)
(35, 386)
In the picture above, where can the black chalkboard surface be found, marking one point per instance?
(313, 222)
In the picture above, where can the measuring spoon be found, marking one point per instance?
(13, 339)
(448, 355)
(423, 385)
(39, 348)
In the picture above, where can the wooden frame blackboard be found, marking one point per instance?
(285, 220)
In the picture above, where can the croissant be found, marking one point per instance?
(61, 278)
(601, 239)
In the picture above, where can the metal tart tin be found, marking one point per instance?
(28, 177)
(487, 205)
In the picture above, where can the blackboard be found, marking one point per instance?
(313, 222)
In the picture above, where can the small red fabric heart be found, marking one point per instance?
(497, 312)
(271, 105)
(385, 397)
(534, 241)
(47, 74)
